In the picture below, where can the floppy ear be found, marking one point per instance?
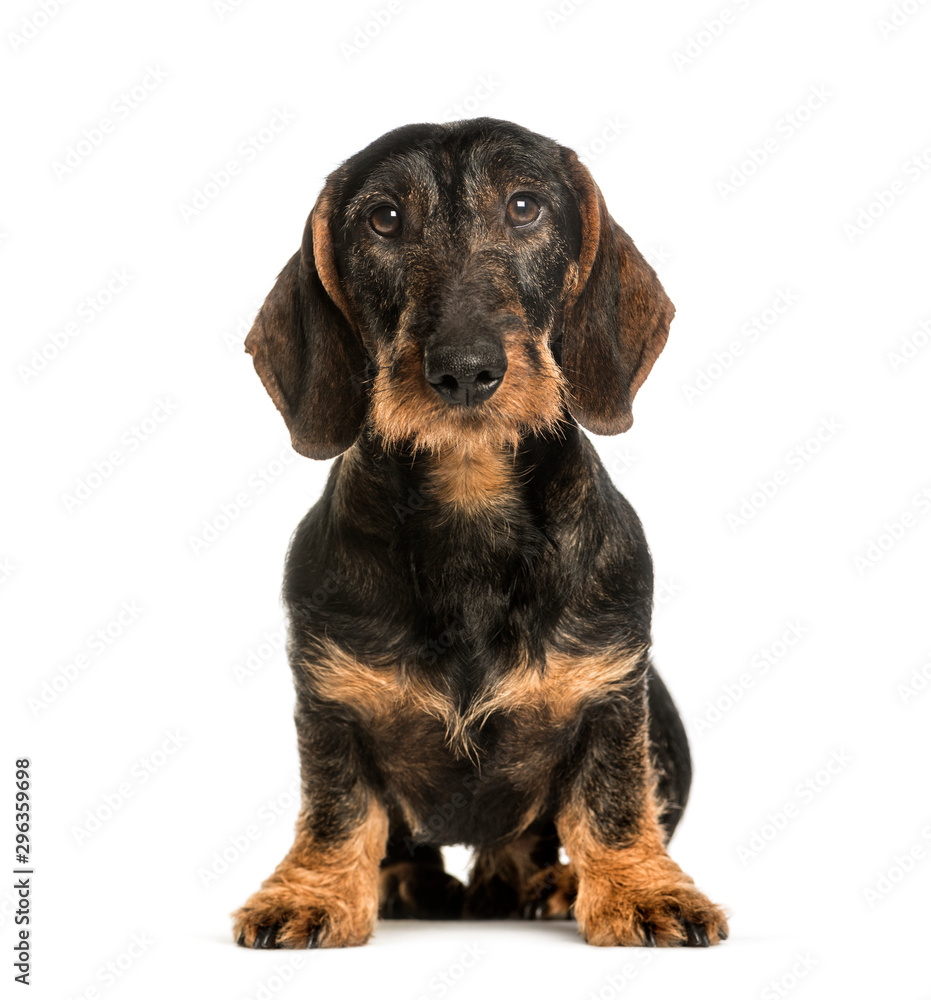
(306, 349)
(617, 319)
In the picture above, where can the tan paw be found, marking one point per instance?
(664, 914)
(294, 913)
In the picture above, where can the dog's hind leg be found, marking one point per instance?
(414, 884)
(517, 879)
(669, 754)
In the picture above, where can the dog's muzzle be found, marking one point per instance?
(465, 374)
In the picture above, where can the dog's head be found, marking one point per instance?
(458, 282)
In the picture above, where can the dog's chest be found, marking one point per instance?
(470, 773)
(472, 764)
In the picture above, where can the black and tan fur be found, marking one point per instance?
(479, 672)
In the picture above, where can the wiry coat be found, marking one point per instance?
(470, 598)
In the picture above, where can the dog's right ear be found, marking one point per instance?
(307, 350)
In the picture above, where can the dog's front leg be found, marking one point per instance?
(630, 892)
(325, 892)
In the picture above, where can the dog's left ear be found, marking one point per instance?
(306, 348)
(617, 319)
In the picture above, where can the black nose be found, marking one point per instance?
(465, 374)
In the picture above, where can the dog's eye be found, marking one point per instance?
(386, 220)
(522, 210)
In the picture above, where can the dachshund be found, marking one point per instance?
(470, 599)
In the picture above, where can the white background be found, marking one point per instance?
(665, 108)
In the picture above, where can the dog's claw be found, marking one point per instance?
(314, 938)
(242, 937)
(649, 938)
(697, 935)
(265, 937)
(534, 909)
